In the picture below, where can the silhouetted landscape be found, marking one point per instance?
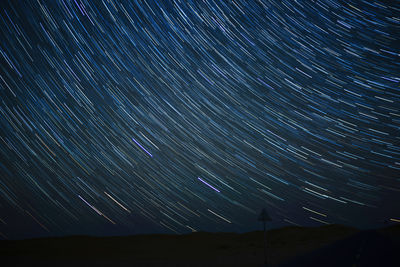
(331, 245)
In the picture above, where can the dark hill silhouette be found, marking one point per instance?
(286, 246)
(364, 249)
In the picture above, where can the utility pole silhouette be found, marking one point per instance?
(264, 217)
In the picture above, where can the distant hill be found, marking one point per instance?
(368, 248)
(195, 249)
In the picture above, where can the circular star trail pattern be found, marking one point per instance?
(175, 116)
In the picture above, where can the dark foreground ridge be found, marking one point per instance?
(367, 248)
(332, 245)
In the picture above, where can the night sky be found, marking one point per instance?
(130, 117)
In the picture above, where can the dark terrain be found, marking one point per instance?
(367, 248)
(332, 245)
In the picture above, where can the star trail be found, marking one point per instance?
(120, 117)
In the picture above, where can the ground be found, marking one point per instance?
(289, 246)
